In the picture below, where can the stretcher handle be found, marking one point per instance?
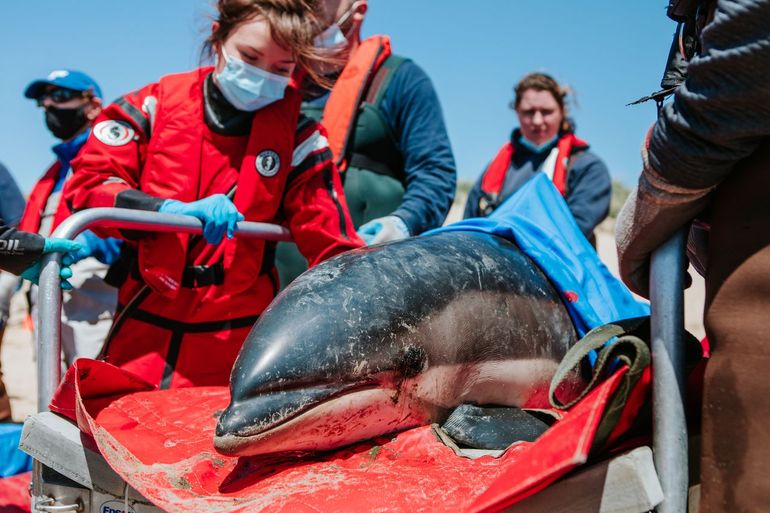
(669, 432)
(47, 506)
(49, 299)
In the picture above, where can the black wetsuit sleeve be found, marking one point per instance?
(18, 249)
(138, 200)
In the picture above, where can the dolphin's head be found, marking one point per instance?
(312, 378)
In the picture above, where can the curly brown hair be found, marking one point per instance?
(294, 24)
(543, 82)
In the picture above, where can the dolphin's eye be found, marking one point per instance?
(411, 361)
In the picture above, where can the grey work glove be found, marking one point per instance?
(654, 211)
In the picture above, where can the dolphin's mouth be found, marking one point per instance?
(255, 415)
(347, 416)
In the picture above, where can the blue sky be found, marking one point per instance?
(609, 52)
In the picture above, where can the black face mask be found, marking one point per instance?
(64, 123)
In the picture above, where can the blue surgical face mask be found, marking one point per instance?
(537, 148)
(248, 87)
(332, 38)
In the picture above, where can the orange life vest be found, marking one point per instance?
(349, 90)
(494, 176)
(38, 198)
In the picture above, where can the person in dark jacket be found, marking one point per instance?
(20, 253)
(11, 199)
(545, 142)
(11, 209)
(387, 134)
(709, 156)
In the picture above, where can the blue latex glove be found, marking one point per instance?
(384, 229)
(217, 213)
(104, 250)
(32, 273)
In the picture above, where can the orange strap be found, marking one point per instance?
(492, 182)
(30, 220)
(567, 145)
(342, 107)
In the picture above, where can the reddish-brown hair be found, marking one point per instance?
(542, 82)
(294, 24)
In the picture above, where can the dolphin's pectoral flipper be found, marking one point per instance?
(492, 427)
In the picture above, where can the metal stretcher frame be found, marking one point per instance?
(49, 325)
(50, 299)
(669, 433)
(666, 296)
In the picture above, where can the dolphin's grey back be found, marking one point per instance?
(453, 298)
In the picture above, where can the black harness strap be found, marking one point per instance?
(196, 276)
(172, 355)
(179, 329)
(327, 176)
(194, 327)
(136, 116)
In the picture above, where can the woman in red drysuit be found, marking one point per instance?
(187, 145)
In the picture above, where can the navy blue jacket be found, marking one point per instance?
(589, 187)
(413, 112)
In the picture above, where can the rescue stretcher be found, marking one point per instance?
(70, 474)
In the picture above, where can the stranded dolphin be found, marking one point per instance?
(394, 336)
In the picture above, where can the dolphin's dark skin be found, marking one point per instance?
(389, 337)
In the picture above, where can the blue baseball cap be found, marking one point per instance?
(66, 78)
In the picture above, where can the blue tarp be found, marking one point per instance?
(12, 460)
(536, 217)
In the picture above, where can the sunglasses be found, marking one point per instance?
(59, 95)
